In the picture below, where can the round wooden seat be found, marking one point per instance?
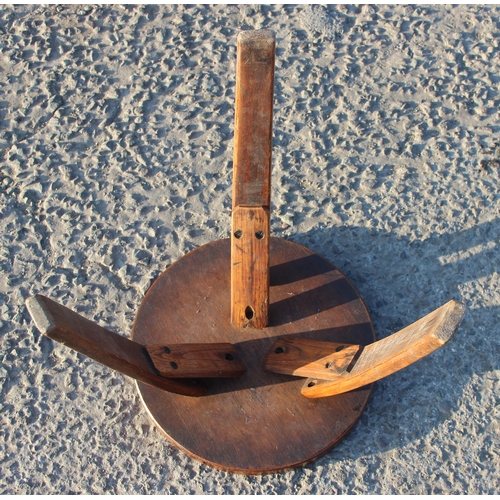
(259, 422)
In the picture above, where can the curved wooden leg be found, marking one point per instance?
(173, 368)
(335, 369)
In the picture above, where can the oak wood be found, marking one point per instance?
(259, 422)
(119, 353)
(196, 360)
(250, 267)
(389, 355)
(252, 178)
(311, 358)
(253, 118)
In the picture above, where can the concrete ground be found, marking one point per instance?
(116, 127)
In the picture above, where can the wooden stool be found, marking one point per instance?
(225, 337)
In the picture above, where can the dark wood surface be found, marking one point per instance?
(311, 358)
(253, 118)
(196, 360)
(119, 353)
(259, 422)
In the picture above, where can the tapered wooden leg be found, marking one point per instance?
(335, 371)
(252, 179)
(156, 365)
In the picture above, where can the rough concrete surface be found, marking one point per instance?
(116, 126)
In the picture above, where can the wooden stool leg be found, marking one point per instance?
(173, 368)
(335, 368)
(108, 348)
(252, 179)
(386, 356)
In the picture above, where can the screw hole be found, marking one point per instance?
(312, 383)
(249, 313)
(166, 349)
(174, 365)
(279, 350)
(229, 357)
(238, 234)
(259, 235)
(340, 348)
(329, 364)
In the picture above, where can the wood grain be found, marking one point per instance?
(250, 267)
(259, 422)
(196, 360)
(311, 358)
(253, 118)
(389, 355)
(119, 353)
